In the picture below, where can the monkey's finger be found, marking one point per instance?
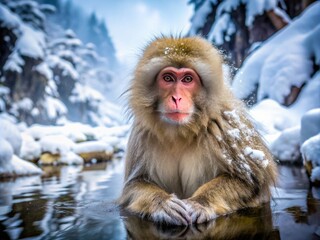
(190, 209)
(203, 217)
(191, 206)
(180, 203)
(194, 216)
(176, 217)
(180, 210)
(183, 210)
(164, 215)
(168, 217)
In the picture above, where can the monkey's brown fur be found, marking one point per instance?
(213, 165)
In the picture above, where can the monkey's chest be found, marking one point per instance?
(183, 173)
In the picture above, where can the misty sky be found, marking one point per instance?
(132, 23)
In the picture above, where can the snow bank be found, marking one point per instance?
(310, 124)
(56, 144)
(273, 119)
(71, 159)
(10, 133)
(30, 149)
(72, 143)
(92, 146)
(6, 152)
(282, 127)
(78, 132)
(21, 167)
(310, 150)
(283, 61)
(287, 145)
(62, 147)
(10, 144)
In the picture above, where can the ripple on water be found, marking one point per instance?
(78, 203)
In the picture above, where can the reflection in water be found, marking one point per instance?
(72, 202)
(248, 224)
(296, 206)
(46, 207)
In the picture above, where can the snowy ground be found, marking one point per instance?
(65, 144)
(283, 61)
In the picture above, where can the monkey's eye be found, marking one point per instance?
(168, 78)
(187, 79)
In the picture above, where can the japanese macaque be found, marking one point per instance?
(193, 153)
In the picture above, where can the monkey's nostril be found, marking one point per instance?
(176, 99)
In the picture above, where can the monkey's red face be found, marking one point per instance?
(176, 90)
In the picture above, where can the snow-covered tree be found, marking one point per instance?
(239, 26)
(88, 27)
(47, 79)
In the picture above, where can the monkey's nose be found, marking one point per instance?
(176, 99)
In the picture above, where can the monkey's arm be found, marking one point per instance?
(150, 201)
(222, 195)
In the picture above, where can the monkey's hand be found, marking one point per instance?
(198, 212)
(172, 211)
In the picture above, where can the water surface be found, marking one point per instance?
(72, 202)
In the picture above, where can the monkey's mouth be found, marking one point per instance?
(177, 117)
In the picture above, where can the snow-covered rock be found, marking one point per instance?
(283, 61)
(273, 119)
(92, 146)
(94, 150)
(71, 159)
(56, 144)
(30, 149)
(73, 143)
(22, 167)
(287, 146)
(6, 152)
(310, 150)
(11, 133)
(10, 143)
(58, 149)
(310, 124)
